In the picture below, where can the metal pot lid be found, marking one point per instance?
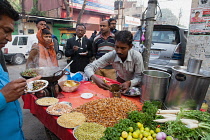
(183, 69)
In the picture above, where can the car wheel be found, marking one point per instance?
(59, 55)
(18, 59)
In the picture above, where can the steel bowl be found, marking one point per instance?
(69, 88)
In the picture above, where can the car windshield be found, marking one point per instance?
(161, 36)
(167, 37)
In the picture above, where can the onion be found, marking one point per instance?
(161, 136)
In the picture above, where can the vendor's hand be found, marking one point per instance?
(100, 83)
(75, 48)
(14, 89)
(125, 86)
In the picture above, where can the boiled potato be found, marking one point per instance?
(70, 83)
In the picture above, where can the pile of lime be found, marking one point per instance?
(142, 133)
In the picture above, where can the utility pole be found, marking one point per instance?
(179, 17)
(150, 17)
(118, 15)
(23, 16)
(122, 18)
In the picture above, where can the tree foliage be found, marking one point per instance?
(81, 12)
(16, 4)
(35, 11)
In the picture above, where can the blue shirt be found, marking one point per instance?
(10, 114)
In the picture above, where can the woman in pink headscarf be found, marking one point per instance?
(43, 53)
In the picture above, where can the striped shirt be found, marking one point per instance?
(102, 46)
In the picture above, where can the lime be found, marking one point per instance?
(124, 134)
(150, 138)
(130, 133)
(129, 137)
(130, 129)
(145, 134)
(157, 130)
(141, 131)
(154, 135)
(142, 128)
(152, 131)
(146, 129)
(135, 134)
(138, 131)
(169, 138)
(139, 125)
(140, 135)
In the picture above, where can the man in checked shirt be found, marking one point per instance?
(127, 62)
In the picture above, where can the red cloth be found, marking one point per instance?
(49, 121)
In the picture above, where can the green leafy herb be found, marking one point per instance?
(113, 133)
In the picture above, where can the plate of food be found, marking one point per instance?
(133, 91)
(37, 85)
(59, 109)
(89, 130)
(65, 102)
(86, 95)
(46, 101)
(71, 120)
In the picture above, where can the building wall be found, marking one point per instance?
(44, 5)
(198, 46)
(91, 21)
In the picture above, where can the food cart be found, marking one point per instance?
(50, 121)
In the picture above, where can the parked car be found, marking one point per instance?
(60, 52)
(167, 48)
(17, 51)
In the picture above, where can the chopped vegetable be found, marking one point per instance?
(167, 115)
(192, 125)
(160, 111)
(29, 73)
(189, 121)
(165, 120)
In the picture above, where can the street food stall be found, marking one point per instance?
(75, 98)
(117, 116)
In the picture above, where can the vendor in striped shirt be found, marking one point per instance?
(102, 44)
(127, 62)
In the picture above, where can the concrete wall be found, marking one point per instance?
(198, 46)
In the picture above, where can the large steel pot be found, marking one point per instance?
(187, 90)
(154, 85)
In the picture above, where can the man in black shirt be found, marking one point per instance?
(79, 48)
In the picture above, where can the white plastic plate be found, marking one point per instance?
(86, 95)
(30, 86)
(81, 53)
